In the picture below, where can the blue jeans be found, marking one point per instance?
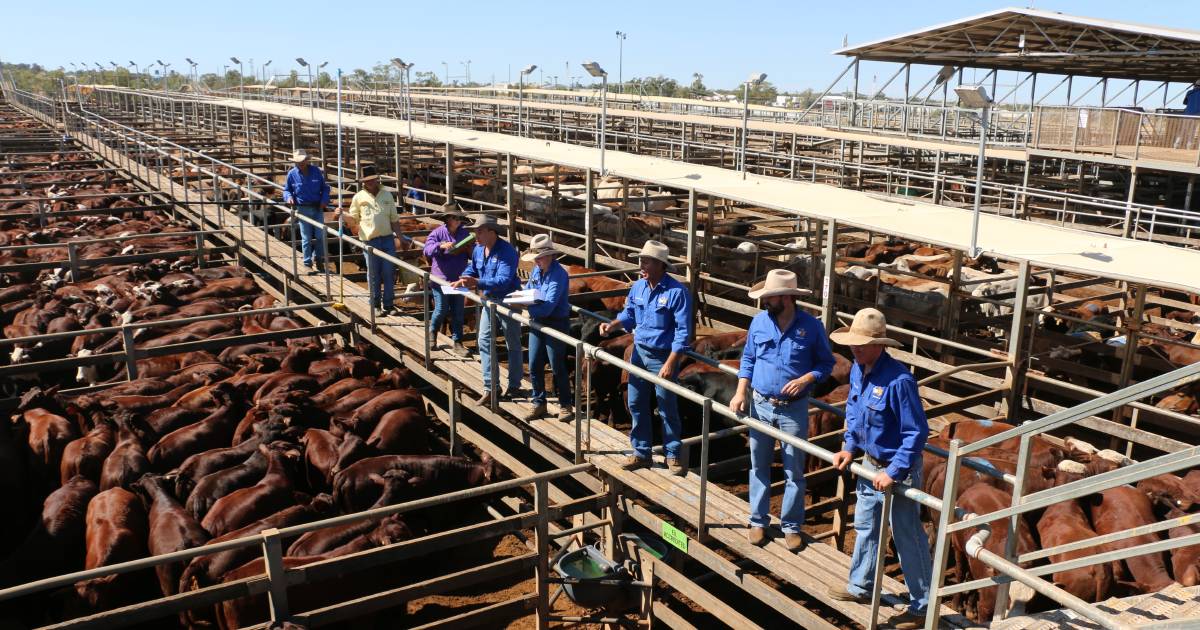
(791, 419)
(512, 338)
(312, 237)
(447, 304)
(541, 345)
(642, 433)
(911, 542)
(382, 273)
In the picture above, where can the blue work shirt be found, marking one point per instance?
(553, 292)
(496, 271)
(1191, 102)
(772, 357)
(306, 190)
(659, 317)
(884, 416)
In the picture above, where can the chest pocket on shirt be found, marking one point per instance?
(661, 315)
(876, 404)
(795, 351)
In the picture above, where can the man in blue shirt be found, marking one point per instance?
(1191, 100)
(492, 270)
(553, 310)
(307, 192)
(659, 313)
(786, 353)
(885, 420)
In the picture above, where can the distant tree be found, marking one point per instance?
(697, 88)
(653, 86)
(427, 79)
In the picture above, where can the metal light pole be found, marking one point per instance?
(116, 77)
(467, 64)
(446, 69)
(595, 70)
(101, 69)
(755, 79)
(975, 96)
(265, 66)
(164, 75)
(312, 114)
(621, 61)
(405, 101)
(193, 74)
(241, 78)
(521, 96)
(136, 73)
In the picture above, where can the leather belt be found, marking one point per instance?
(777, 402)
(877, 463)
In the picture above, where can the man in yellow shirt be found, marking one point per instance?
(373, 216)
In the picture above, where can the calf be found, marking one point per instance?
(1123, 508)
(271, 494)
(1064, 523)
(171, 529)
(984, 499)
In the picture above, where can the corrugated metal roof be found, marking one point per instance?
(1054, 42)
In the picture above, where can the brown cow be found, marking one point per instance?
(85, 456)
(272, 493)
(364, 419)
(323, 540)
(214, 431)
(127, 462)
(984, 499)
(358, 486)
(171, 529)
(402, 432)
(1185, 561)
(116, 532)
(1064, 523)
(1123, 508)
(48, 436)
(1169, 490)
(56, 544)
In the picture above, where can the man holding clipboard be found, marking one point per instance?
(549, 307)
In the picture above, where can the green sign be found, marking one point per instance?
(674, 537)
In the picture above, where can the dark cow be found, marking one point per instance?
(402, 432)
(203, 464)
(56, 544)
(127, 462)
(171, 529)
(358, 486)
(116, 532)
(272, 493)
(212, 487)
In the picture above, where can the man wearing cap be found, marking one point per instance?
(552, 310)
(1191, 100)
(448, 263)
(373, 216)
(885, 420)
(786, 353)
(492, 270)
(307, 192)
(658, 312)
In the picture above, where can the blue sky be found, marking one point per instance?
(724, 40)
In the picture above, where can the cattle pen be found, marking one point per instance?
(1069, 334)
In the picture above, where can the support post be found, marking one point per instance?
(693, 276)
(1015, 375)
(827, 302)
(543, 552)
(941, 547)
(589, 246)
(276, 576)
(881, 555)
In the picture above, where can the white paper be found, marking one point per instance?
(449, 290)
(527, 296)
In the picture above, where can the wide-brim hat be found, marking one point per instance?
(299, 155)
(777, 282)
(486, 221)
(451, 209)
(541, 245)
(369, 173)
(656, 250)
(869, 328)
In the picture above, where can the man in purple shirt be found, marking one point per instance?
(448, 264)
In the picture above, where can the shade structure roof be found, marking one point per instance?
(1033, 40)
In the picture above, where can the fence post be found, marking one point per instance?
(131, 370)
(543, 551)
(706, 418)
(494, 368)
(827, 307)
(454, 405)
(580, 395)
(1010, 545)
(429, 332)
(880, 556)
(941, 547)
(276, 578)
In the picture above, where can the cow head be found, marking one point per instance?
(20, 354)
(89, 374)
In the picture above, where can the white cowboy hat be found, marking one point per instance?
(541, 245)
(778, 282)
(657, 251)
(299, 156)
(485, 221)
(869, 328)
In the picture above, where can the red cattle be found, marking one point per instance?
(85, 456)
(215, 485)
(116, 532)
(1185, 561)
(358, 486)
(47, 435)
(1123, 508)
(402, 432)
(364, 419)
(127, 462)
(1064, 523)
(1169, 490)
(984, 499)
(203, 464)
(271, 494)
(56, 544)
(171, 528)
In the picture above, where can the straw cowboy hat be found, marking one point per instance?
(869, 328)
(655, 250)
(541, 245)
(778, 282)
(485, 221)
(369, 173)
(451, 209)
(299, 156)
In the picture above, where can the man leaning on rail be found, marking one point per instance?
(786, 354)
(658, 312)
(885, 420)
(374, 217)
(551, 309)
(307, 192)
(492, 270)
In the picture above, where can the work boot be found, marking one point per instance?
(840, 594)
(512, 394)
(566, 413)
(676, 467)
(485, 398)
(633, 462)
(907, 621)
(538, 412)
(757, 536)
(460, 349)
(793, 542)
